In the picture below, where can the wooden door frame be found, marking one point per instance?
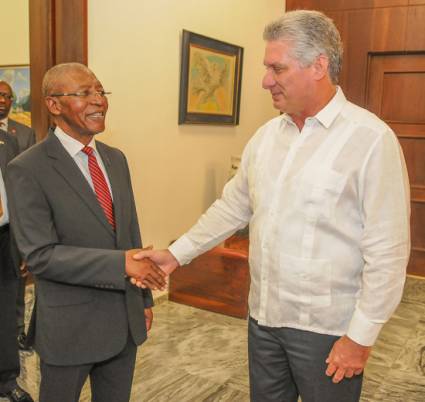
(58, 34)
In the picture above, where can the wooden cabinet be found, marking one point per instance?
(217, 281)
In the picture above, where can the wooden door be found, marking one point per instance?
(396, 93)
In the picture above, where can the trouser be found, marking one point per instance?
(20, 305)
(110, 380)
(9, 355)
(285, 363)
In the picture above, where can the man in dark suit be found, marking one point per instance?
(77, 229)
(9, 271)
(26, 137)
(24, 134)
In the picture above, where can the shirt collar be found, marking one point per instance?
(328, 114)
(71, 144)
(5, 124)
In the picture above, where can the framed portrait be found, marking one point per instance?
(210, 81)
(18, 77)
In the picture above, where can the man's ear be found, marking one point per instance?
(320, 67)
(53, 105)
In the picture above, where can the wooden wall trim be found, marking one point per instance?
(71, 31)
(41, 58)
(345, 5)
(58, 34)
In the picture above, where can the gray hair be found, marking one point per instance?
(54, 75)
(312, 33)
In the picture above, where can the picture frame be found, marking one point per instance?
(18, 77)
(210, 81)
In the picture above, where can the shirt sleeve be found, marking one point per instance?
(385, 245)
(226, 215)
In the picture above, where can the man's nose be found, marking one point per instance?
(97, 98)
(268, 79)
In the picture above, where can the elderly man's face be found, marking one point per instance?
(80, 116)
(5, 100)
(290, 84)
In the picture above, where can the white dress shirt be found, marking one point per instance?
(4, 124)
(4, 219)
(74, 148)
(328, 209)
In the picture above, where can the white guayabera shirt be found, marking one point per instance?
(328, 210)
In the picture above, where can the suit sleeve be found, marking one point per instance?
(32, 138)
(12, 147)
(33, 224)
(135, 234)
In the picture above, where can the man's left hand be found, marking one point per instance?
(148, 318)
(24, 270)
(347, 358)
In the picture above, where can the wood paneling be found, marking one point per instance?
(58, 33)
(71, 31)
(414, 148)
(415, 37)
(402, 91)
(364, 31)
(41, 58)
(396, 92)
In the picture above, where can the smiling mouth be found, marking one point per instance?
(96, 116)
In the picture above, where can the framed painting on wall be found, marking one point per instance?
(210, 81)
(18, 77)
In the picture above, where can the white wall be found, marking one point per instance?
(134, 49)
(14, 31)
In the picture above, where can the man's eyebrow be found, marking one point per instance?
(274, 65)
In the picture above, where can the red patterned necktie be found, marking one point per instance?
(100, 186)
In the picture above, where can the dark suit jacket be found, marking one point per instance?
(25, 138)
(25, 135)
(85, 306)
(8, 150)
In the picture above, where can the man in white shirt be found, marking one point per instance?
(325, 190)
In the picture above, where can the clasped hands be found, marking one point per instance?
(149, 268)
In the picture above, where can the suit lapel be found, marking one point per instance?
(3, 153)
(71, 173)
(11, 127)
(8, 152)
(115, 180)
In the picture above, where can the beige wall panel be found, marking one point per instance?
(345, 4)
(178, 171)
(14, 32)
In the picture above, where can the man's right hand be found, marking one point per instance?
(144, 271)
(162, 258)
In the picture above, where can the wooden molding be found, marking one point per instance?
(58, 34)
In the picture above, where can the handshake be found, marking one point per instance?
(149, 268)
